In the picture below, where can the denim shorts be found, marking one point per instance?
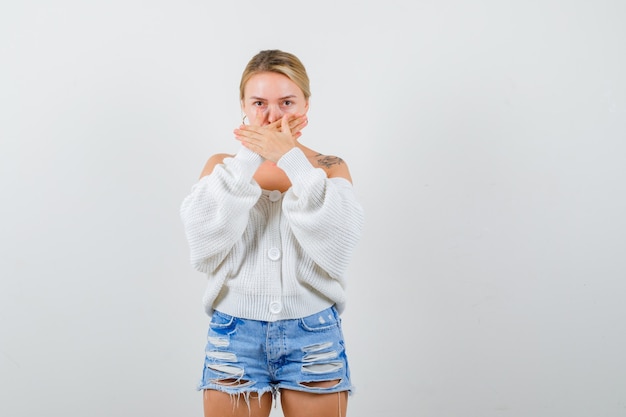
(249, 356)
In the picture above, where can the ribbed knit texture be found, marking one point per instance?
(271, 256)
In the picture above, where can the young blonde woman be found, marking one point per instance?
(274, 227)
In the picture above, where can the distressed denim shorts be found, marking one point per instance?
(245, 356)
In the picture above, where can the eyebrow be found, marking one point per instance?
(281, 98)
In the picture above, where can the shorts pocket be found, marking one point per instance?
(324, 320)
(222, 323)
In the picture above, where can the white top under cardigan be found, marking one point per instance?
(270, 255)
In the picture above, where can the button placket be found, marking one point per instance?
(274, 252)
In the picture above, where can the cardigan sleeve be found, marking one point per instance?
(215, 213)
(324, 214)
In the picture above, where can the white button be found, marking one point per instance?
(275, 195)
(276, 307)
(273, 254)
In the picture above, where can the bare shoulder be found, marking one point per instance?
(212, 162)
(333, 165)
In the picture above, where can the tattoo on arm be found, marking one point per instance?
(328, 161)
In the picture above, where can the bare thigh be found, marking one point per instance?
(306, 404)
(220, 404)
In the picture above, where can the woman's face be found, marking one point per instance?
(270, 95)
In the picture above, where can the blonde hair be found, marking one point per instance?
(274, 60)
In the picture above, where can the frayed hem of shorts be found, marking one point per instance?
(349, 390)
(237, 395)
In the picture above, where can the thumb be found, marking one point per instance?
(284, 125)
(259, 117)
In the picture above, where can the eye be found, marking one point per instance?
(287, 102)
(257, 103)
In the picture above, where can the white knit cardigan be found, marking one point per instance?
(270, 255)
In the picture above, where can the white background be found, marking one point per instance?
(487, 142)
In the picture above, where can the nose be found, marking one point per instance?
(274, 113)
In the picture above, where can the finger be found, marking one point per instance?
(259, 117)
(275, 124)
(298, 124)
(284, 125)
(248, 134)
(294, 121)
